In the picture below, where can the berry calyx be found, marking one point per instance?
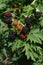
(8, 14)
(22, 36)
(12, 35)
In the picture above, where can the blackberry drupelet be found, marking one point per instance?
(28, 21)
(37, 14)
(12, 35)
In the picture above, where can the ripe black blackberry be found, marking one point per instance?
(25, 30)
(12, 35)
(37, 14)
(28, 21)
(7, 20)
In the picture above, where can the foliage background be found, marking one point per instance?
(32, 47)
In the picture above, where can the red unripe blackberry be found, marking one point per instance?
(22, 36)
(12, 35)
(8, 14)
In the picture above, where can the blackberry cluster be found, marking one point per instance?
(12, 35)
(28, 22)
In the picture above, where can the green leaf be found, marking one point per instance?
(39, 50)
(29, 52)
(3, 27)
(38, 5)
(27, 10)
(4, 52)
(2, 6)
(17, 44)
(35, 35)
(26, 49)
(15, 57)
(41, 21)
(1, 58)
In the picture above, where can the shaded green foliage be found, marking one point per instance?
(32, 46)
